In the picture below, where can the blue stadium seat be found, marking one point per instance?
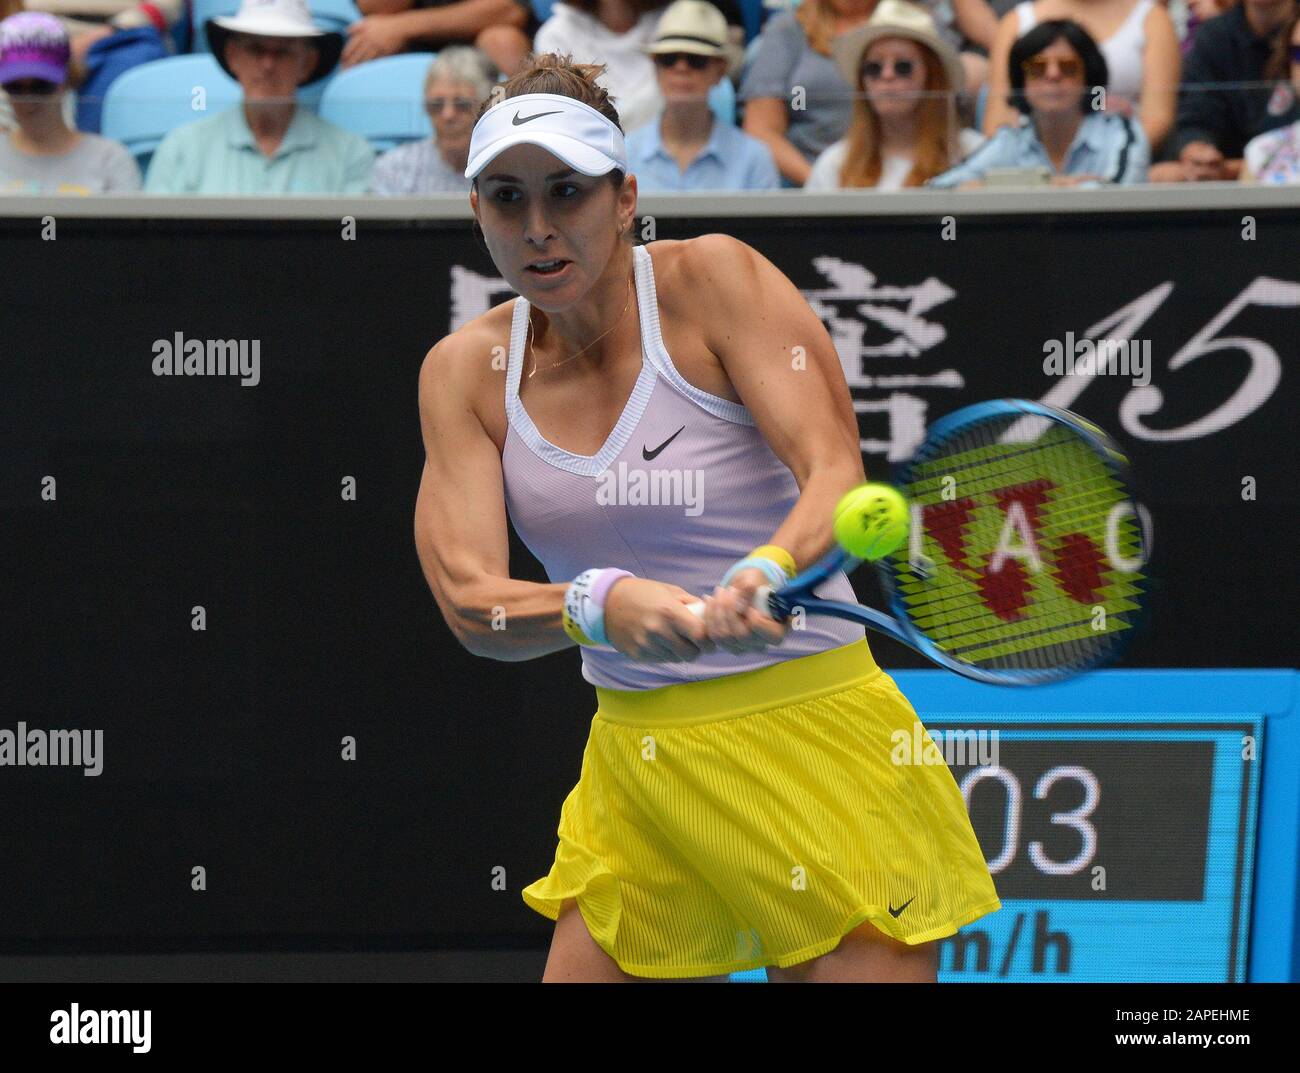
(332, 15)
(147, 102)
(201, 11)
(144, 104)
(382, 100)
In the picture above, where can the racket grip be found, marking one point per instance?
(759, 601)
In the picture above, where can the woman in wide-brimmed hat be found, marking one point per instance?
(905, 128)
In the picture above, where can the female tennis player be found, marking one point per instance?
(664, 422)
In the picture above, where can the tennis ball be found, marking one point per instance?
(871, 521)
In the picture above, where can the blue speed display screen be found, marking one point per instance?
(1121, 848)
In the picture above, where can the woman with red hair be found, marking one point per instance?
(905, 128)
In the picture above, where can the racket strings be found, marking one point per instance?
(1052, 514)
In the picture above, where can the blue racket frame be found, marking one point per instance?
(799, 592)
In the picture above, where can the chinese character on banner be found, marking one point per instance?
(880, 333)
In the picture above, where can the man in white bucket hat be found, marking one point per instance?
(267, 144)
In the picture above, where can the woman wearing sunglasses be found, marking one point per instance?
(1055, 73)
(1275, 157)
(1137, 39)
(42, 154)
(687, 147)
(905, 128)
(458, 81)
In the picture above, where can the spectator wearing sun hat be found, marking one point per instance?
(42, 154)
(267, 144)
(89, 41)
(905, 128)
(688, 147)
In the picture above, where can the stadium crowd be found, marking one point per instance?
(722, 96)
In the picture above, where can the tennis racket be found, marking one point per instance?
(1025, 555)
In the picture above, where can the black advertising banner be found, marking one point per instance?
(276, 506)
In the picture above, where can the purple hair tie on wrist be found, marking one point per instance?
(607, 578)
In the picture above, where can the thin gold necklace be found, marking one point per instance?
(598, 338)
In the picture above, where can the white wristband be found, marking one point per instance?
(585, 600)
(581, 608)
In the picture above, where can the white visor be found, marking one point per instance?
(575, 132)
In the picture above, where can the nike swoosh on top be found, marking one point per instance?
(895, 912)
(650, 455)
(526, 119)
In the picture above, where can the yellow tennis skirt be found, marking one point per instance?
(757, 818)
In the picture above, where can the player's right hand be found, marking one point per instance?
(648, 621)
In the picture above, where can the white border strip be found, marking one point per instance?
(1158, 197)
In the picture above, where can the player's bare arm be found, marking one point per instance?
(460, 518)
(779, 357)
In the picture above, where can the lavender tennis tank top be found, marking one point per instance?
(683, 487)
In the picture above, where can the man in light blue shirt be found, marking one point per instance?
(687, 146)
(268, 144)
(1058, 74)
(221, 155)
(730, 160)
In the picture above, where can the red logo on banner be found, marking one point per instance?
(1078, 563)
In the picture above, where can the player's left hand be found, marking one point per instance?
(734, 623)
